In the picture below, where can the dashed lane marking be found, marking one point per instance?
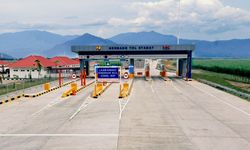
(83, 105)
(124, 105)
(51, 104)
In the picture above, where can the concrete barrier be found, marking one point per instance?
(74, 89)
(11, 99)
(50, 90)
(99, 89)
(125, 89)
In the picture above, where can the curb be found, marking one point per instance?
(11, 99)
(45, 92)
(105, 88)
(81, 88)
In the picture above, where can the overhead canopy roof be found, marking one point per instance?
(133, 51)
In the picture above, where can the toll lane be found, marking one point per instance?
(147, 124)
(231, 120)
(96, 125)
(30, 118)
(175, 115)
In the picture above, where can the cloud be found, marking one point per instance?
(209, 16)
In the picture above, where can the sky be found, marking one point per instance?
(198, 19)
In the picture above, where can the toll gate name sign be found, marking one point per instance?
(107, 74)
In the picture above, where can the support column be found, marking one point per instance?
(87, 67)
(177, 67)
(81, 64)
(84, 64)
(189, 65)
(132, 62)
(181, 67)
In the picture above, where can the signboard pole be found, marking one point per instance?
(120, 75)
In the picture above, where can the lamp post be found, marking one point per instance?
(179, 22)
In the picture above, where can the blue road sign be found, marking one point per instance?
(108, 73)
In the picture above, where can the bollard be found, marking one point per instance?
(94, 94)
(125, 89)
(163, 73)
(47, 86)
(120, 95)
(131, 76)
(73, 86)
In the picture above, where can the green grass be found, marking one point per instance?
(218, 78)
(239, 67)
(11, 87)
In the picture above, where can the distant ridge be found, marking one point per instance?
(21, 44)
(85, 39)
(236, 48)
(143, 38)
(4, 56)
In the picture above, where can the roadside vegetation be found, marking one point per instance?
(231, 73)
(239, 67)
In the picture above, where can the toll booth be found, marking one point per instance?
(138, 53)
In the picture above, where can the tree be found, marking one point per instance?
(38, 67)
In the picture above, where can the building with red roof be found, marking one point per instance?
(4, 67)
(67, 65)
(29, 66)
(63, 61)
(4, 63)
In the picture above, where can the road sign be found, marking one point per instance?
(73, 76)
(125, 76)
(108, 74)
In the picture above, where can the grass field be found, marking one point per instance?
(239, 67)
(232, 73)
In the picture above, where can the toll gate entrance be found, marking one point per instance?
(137, 56)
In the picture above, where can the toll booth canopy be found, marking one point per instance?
(183, 54)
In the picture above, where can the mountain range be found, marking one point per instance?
(24, 43)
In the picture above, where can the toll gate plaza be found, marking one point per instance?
(183, 54)
(127, 97)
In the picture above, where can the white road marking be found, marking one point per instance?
(58, 135)
(51, 104)
(83, 105)
(177, 89)
(124, 106)
(222, 101)
(120, 106)
(151, 86)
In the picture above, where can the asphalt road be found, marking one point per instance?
(174, 115)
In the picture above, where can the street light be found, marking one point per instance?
(179, 22)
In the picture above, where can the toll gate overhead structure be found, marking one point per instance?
(183, 54)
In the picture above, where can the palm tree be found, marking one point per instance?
(38, 67)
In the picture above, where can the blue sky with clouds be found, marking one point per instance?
(200, 19)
